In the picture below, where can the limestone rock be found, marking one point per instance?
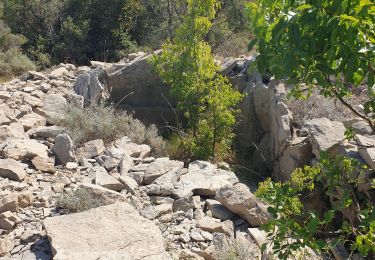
(14, 130)
(6, 244)
(63, 149)
(93, 86)
(241, 201)
(125, 164)
(32, 120)
(58, 73)
(127, 146)
(44, 164)
(324, 134)
(366, 148)
(24, 149)
(105, 180)
(105, 233)
(218, 210)
(46, 132)
(91, 149)
(129, 183)
(54, 106)
(160, 167)
(12, 170)
(106, 195)
(214, 225)
(203, 178)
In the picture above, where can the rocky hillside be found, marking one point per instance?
(116, 201)
(152, 208)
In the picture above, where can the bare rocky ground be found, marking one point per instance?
(154, 208)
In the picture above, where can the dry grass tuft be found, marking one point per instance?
(109, 124)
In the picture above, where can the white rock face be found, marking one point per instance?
(111, 232)
(53, 106)
(23, 149)
(324, 134)
(366, 148)
(241, 201)
(203, 178)
(160, 167)
(12, 170)
(64, 149)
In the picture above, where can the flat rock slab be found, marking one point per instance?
(203, 178)
(111, 232)
(366, 148)
(324, 134)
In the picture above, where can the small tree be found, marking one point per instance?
(325, 43)
(207, 99)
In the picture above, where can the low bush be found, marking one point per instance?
(79, 200)
(109, 124)
(14, 63)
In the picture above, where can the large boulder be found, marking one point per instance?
(238, 199)
(63, 149)
(160, 167)
(24, 149)
(12, 170)
(204, 179)
(54, 106)
(366, 148)
(93, 86)
(139, 88)
(324, 134)
(112, 232)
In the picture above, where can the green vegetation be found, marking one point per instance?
(12, 61)
(328, 44)
(78, 31)
(105, 122)
(79, 200)
(344, 215)
(206, 97)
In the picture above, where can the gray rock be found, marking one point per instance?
(203, 178)
(46, 132)
(366, 148)
(127, 146)
(105, 180)
(218, 210)
(160, 167)
(242, 202)
(64, 149)
(91, 149)
(54, 106)
(12, 170)
(324, 134)
(129, 183)
(106, 232)
(93, 86)
(125, 164)
(24, 149)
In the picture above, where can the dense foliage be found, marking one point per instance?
(12, 61)
(344, 213)
(324, 43)
(207, 98)
(77, 31)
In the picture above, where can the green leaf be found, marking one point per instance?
(304, 7)
(349, 18)
(252, 44)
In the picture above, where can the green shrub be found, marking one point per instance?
(207, 99)
(347, 216)
(14, 63)
(79, 200)
(105, 122)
